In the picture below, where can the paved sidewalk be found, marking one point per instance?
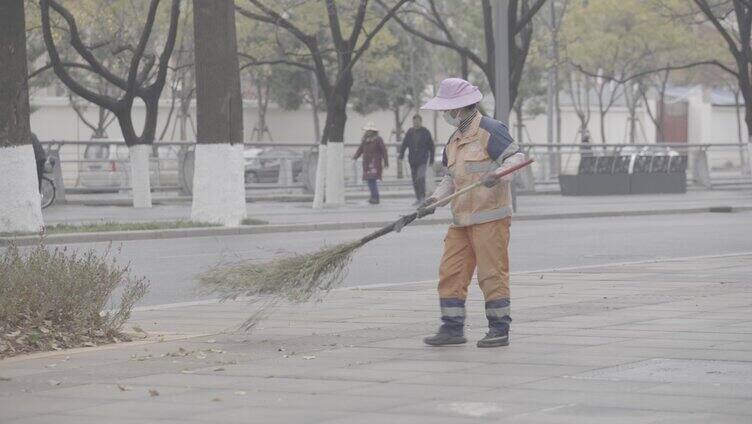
(657, 342)
(389, 209)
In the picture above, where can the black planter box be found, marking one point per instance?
(672, 182)
(594, 184)
(605, 184)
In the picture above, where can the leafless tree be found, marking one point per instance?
(335, 81)
(142, 81)
(520, 26)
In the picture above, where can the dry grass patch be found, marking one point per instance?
(53, 299)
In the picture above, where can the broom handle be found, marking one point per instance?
(407, 219)
(458, 193)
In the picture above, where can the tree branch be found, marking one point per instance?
(256, 62)
(140, 48)
(78, 45)
(309, 41)
(164, 58)
(459, 49)
(61, 72)
(622, 80)
(65, 64)
(360, 17)
(527, 16)
(708, 12)
(367, 42)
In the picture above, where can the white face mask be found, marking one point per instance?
(451, 120)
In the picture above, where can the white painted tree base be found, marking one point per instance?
(335, 175)
(749, 155)
(20, 202)
(140, 184)
(318, 191)
(219, 184)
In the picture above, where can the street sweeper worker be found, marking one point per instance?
(479, 235)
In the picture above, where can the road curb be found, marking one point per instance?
(108, 236)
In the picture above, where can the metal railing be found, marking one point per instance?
(291, 166)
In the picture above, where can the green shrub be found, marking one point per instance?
(60, 298)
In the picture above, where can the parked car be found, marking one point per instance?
(262, 165)
(106, 165)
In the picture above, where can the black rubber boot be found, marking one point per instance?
(443, 338)
(494, 339)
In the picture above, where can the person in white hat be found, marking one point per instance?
(374, 154)
(479, 235)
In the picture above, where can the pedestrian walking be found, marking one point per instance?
(419, 142)
(479, 235)
(374, 154)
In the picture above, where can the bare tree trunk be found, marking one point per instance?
(334, 137)
(20, 206)
(218, 182)
(315, 107)
(518, 115)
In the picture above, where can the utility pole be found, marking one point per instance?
(501, 60)
(550, 90)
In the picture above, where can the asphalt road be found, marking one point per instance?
(413, 255)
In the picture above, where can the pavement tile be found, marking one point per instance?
(446, 379)
(497, 409)
(111, 392)
(636, 400)
(184, 380)
(722, 390)
(27, 405)
(403, 390)
(397, 418)
(644, 354)
(700, 418)
(260, 415)
(586, 414)
(154, 409)
(79, 419)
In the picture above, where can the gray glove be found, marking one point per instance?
(424, 209)
(490, 181)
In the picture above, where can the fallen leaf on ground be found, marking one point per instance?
(4, 378)
(122, 388)
(138, 329)
(54, 382)
(216, 399)
(219, 369)
(153, 393)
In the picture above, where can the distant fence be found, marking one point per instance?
(102, 165)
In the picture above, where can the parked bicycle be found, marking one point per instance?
(47, 185)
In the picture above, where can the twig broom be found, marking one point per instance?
(301, 277)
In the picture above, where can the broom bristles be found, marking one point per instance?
(296, 278)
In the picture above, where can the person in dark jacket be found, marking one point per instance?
(419, 142)
(374, 154)
(40, 156)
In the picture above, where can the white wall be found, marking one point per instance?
(53, 119)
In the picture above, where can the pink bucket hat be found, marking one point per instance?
(454, 93)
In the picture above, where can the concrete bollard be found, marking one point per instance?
(700, 168)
